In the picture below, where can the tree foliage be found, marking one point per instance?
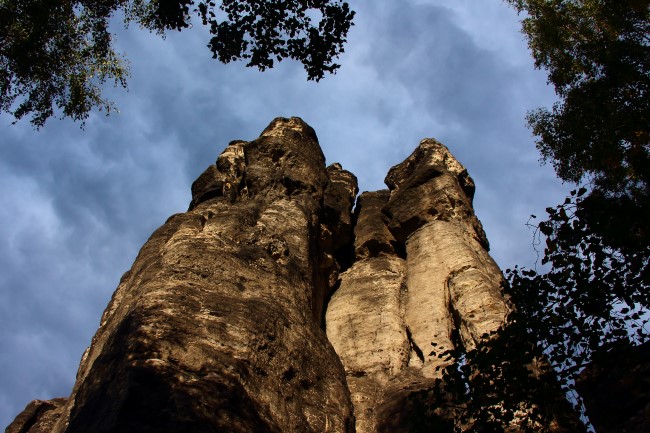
(597, 55)
(592, 293)
(57, 54)
(506, 384)
(593, 298)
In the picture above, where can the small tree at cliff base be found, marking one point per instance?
(55, 55)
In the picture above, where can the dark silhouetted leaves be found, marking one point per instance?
(593, 292)
(597, 55)
(55, 55)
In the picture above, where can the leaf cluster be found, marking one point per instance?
(506, 384)
(593, 292)
(593, 296)
(57, 54)
(597, 55)
(596, 291)
(261, 32)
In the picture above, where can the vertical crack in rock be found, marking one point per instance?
(414, 346)
(365, 316)
(336, 235)
(457, 330)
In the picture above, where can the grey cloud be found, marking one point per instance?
(476, 99)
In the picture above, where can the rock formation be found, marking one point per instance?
(272, 306)
(422, 283)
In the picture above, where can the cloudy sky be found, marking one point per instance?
(76, 205)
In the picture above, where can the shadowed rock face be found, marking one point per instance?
(219, 325)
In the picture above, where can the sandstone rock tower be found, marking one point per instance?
(422, 283)
(272, 306)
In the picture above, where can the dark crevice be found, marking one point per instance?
(344, 256)
(402, 230)
(277, 155)
(422, 176)
(328, 298)
(414, 347)
(36, 416)
(386, 215)
(337, 239)
(208, 195)
(289, 374)
(467, 184)
(293, 186)
(456, 339)
(399, 248)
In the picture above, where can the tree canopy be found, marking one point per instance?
(592, 293)
(57, 54)
(597, 55)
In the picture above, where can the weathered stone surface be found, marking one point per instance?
(431, 185)
(365, 323)
(38, 417)
(336, 232)
(423, 283)
(216, 326)
(372, 236)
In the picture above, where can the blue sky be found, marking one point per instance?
(76, 205)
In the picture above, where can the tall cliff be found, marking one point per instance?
(422, 283)
(272, 305)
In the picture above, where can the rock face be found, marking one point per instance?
(422, 283)
(272, 306)
(38, 416)
(216, 326)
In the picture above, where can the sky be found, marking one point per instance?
(76, 205)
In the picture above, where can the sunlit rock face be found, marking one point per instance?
(272, 306)
(216, 327)
(422, 283)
